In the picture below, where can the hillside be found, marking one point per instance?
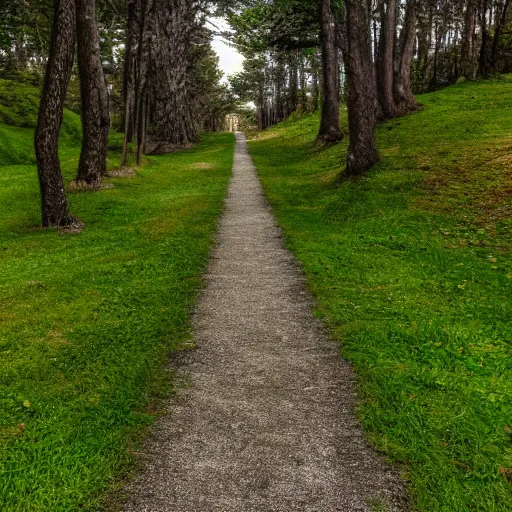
(18, 118)
(87, 321)
(412, 270)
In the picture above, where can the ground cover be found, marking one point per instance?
(412, 270)
(87, 321)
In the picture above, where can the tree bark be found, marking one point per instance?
(95, 100)
(54, 205)
(362, 151)
(294, 83)
(482, 63)
(385, 59)
(315, 93)
(404, 97)
(329, 124)
(500, 24)
(129, 78)
(175, 124)
(467, 49)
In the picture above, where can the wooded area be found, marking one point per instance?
(148, 66)
(380, 133)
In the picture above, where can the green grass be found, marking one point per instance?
(87, 321)
(18, 109)
(412, 270)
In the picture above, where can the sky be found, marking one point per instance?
(230, 61)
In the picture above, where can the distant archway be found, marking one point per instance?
(233, 122)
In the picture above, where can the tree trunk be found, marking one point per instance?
(500, 24)
(294, 86)
(329, 124)
(315, 93)
(404, 96)
(54, 205)
(95, 101)
(175, 124)
(467, 49)
(362, 152)
(482, 63)
(129, 78)
(385, 59)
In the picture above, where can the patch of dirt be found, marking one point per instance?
(162, 148)
(125, 172)
(82, 186)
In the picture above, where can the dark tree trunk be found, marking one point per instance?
(362, 152)
(175, 124)
(129, 78)
(329, 124)
(54, 205)
(482, 63)
(404, 96)
(500, 24)
(280, 85)
(467, 49)
(95, 101)
(424, 35)
(385, 59)
(294, 85)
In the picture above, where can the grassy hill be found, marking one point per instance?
(87, 321)
(19, 104)
(412, 270)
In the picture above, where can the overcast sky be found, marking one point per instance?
(230, 60)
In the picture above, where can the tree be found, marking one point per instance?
(54, 205)
(174, 23)
(385, 58)
(468, 41)
(403, 92)
(329, 124)
(362, 152)
(95, 102)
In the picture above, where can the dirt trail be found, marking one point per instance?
(267, 422)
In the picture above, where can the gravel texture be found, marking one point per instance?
(265, 417)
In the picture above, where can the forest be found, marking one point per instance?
(379, 134)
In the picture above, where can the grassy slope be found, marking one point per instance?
(18, 110)
(412, 270)
(86, 321)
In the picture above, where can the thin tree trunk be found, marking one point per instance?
(95, 100)
(329, 124)
(385, 59)
(293, 101)
(404, 96)
(500, 24)
(467, 62)
(362, 152)
(129, 82)
(482, 63)
(54, 205)
(315, 81)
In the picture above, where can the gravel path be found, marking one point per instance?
(266, 422)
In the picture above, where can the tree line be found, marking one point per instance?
(146, 66)
(372, 54)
